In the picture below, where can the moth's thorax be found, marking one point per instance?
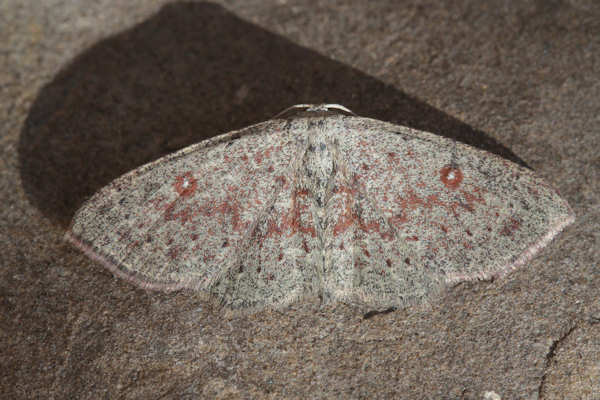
(318, 167)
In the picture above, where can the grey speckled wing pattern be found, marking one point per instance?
(320, 204)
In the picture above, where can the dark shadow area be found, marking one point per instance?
(189, 72)
(371, 314)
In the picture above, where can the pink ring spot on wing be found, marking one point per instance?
(451, 177)
(185, 184)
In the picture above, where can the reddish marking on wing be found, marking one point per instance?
(374, 226)
(171, 215)
(412, 201)
(173, 252)
(157, 203)
(451, 177)
(272, 229)
(305, 246)
(232, 208)
(185, 184)
(280, 180)
(368, 227)
(473, 197)
(346, 190)
(454, 207)
(398, 219)
(433, 200)
(260, 156)
(412, 238)
(291, 221)
(280, 257)
(510, 227)
(348, 217)
(345, 221)
(367, 253)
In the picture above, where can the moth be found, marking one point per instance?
(319, 203)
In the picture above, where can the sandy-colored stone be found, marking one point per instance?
(574, 370)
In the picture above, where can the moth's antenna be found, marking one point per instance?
(315, 108)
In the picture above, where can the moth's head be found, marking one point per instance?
(314, 109)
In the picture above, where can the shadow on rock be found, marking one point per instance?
(189, 72)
